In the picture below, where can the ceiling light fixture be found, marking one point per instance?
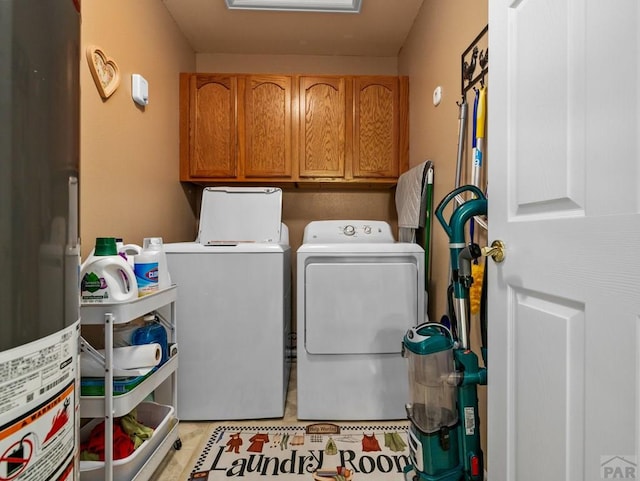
(343, 6)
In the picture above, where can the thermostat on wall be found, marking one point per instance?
(139, 89)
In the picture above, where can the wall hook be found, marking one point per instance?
(469, 68)
(484, 58)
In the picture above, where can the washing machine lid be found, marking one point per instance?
(233, 215)
(242, 248)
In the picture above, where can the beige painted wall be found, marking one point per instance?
(307, 64)
(431, 57)
(129, 154)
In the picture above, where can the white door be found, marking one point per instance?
(564, 306)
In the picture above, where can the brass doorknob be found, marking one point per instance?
(497, 251)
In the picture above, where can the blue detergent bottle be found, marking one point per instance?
(152, 332)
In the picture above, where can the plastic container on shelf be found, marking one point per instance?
(157, 416)
(123, 333)
(154, 244)
(94, 386)
(106, 276)
(145, 266)
(152, 332)
(128, 251)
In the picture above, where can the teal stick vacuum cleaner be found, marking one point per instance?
(444, 435)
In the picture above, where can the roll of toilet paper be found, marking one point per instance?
(128, 361)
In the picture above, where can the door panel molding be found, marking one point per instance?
(547, 124)
(557, 371)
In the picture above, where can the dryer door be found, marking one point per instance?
(359, 307)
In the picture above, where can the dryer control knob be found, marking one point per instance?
(367, 229)
(349, 230)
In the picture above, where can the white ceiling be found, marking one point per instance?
(379, 30)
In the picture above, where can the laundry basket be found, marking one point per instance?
(157, 416)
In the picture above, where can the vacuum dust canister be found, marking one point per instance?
(432, 388)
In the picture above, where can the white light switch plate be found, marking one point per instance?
(437, 96)
(139, 89)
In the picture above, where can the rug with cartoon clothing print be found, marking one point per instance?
(317, 451)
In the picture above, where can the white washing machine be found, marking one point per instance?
(233, 307)
(358, 291)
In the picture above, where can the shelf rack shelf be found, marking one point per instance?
(110, 406)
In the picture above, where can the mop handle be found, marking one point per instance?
(474, 119)
(462, 125)
(479, 128)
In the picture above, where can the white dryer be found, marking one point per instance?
(358, 291)
(233, 307)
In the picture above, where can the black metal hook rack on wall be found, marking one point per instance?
(472, 58)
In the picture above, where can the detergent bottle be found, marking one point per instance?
(128, 251)
(106, 276)
(152, 332)
(145, 266)
(154, 244)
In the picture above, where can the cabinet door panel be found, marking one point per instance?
(267, 135)
(213, 132)
(376, 103)
(323, 138)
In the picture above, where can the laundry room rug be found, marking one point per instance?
(304, 452)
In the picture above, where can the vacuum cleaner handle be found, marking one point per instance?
(449, 197)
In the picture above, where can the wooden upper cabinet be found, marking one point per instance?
(377, 127)
(293, 128)
(266, 135)
(235, 127)
(323, 127)
(211, 126)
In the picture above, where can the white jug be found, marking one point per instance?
(154, 244)
(106, 276)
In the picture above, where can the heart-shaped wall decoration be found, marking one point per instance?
(104, 71)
